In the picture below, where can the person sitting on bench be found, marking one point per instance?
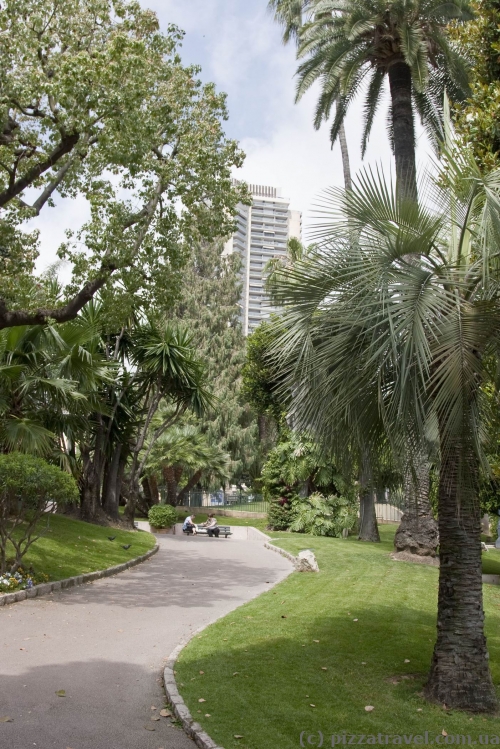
(211, 526)
(188, 525)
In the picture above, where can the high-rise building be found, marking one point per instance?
(263, 230)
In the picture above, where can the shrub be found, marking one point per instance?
(29, 488)
(323, 516)
(162, 516)
(280, 514)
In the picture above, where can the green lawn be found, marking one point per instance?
(72, 547)
(491, 562)
(263, 669)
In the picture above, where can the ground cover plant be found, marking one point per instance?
(316, 650)
(72, 547)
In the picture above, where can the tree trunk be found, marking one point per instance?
(346, 166)
(170, 485)
(418, 531)
(90, 509)
(404, 130)
(190, 485)
(112, 483)
(153, 490)
(460, 675)
(368, 527)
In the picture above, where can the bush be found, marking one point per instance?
(29, 488)
(280, 515)
(323, 516)
(162, 516)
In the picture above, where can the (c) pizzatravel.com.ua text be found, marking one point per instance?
(428, 738)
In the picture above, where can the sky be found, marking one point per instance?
(238, 46)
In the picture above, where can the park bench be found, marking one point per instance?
(224, 530)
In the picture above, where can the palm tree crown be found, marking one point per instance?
(345, 42)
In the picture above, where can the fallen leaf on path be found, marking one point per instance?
(150, 728)
(369, 708)
(155, 717)
(61, 693)
(153, 707)
(6, 719)
(165, 713)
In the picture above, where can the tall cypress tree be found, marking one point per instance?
(210, 308)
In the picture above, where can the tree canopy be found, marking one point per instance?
(95, 103)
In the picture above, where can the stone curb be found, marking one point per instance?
(294, 560)
(46, 588)
(179, 708)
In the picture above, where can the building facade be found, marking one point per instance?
(263, 230)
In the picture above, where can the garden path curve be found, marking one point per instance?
(104, 644)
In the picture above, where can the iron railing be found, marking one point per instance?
(237, 501)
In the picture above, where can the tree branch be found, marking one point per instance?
(65, 146)
(11, 318)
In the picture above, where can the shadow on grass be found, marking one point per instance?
(270, 678)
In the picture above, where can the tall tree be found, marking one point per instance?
(96, 103)
(404, 317)
(478, 120)
(209, 308)
(347, 41)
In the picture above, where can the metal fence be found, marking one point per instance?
(389, 508)
(238, 501)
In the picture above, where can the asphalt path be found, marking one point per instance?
(103, 645)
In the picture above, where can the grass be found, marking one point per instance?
(491, 562)
(72, 547)
(263, 665)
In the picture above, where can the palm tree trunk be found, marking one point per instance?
(171, 485)
(368, 527)
(190, 485)
(346, 166)
(418, 531)
(404, 129)
(460, 675)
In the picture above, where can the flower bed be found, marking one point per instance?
(20, 580)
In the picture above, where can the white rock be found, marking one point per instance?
(307, 561)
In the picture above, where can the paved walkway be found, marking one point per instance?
(104, 645)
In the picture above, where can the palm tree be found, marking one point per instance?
(185, 450)
(346, 42)
(399, 307)
(50, 378)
